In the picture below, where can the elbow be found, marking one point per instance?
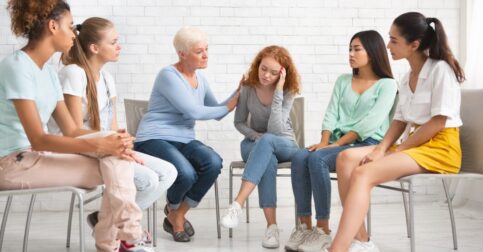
(440, 122)
(37, 144)
(192, 115)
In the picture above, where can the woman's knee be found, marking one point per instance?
(214, 163)
(300, 157)
(361, 175)
(267, 138)
(145, 179)
(186, 177)
(345, 163)
(169, 172)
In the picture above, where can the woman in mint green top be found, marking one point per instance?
(358, 114)
(364, 114)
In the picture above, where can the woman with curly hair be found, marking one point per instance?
(266, 95)
(31, 158)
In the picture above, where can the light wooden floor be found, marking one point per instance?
(433, 231)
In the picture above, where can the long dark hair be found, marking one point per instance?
(376, 51)
(433, 41)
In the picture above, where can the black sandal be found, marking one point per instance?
(188, 228)
(177, 236)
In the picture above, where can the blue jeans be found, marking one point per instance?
(310, 175)
(198, 168)
(262, 157)
(152, 179)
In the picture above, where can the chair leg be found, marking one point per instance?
(149, 219)
(230, 196)
(369, 220)
(27, 223)
(411, 216)
(451, 214)
(80, 197)
(4, 219)
(297, 222)
(247, 208)
(69, 221)
(406, 210)
(155, 221)
(217, 204)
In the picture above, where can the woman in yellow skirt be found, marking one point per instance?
(429, 103)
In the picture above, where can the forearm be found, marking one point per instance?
(79, 132)
(280, 111)
(392, 134)
(424, 133)
(246, 131)
(62, 144)
(325, 137)
(348, 138)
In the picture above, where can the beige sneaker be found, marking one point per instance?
(316, 241)
(297, 237)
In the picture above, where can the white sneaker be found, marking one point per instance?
(271, 239)
(316, 241)
(297, 237)
(230, 218)
(358, 246)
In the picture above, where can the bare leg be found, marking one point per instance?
(307, 220)
(270, 215)
(246, 189)
(346, 162)
(324, 224)
(177, 216)
(363, 179)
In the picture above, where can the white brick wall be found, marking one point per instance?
(316, 32)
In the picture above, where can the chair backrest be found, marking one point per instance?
(471, 133)
(297, 118)
(135, 110)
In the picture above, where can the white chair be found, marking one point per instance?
(297, 119)
(135, 109)
(76, 193)
(471, 138)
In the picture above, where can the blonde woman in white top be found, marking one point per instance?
(429, 103)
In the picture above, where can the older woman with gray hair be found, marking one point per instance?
(180, 96)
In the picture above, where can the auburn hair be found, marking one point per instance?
(282, 56)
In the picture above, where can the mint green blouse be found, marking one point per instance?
(368, 114)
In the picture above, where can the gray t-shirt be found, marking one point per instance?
(253, 118)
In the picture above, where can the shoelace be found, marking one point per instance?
(233, 212)
(314, 236)
(297, 234)
(271, 232)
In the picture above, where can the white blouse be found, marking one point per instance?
(437, 93)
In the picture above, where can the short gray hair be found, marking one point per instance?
(186, 37)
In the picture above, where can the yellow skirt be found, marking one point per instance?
(441, 154)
